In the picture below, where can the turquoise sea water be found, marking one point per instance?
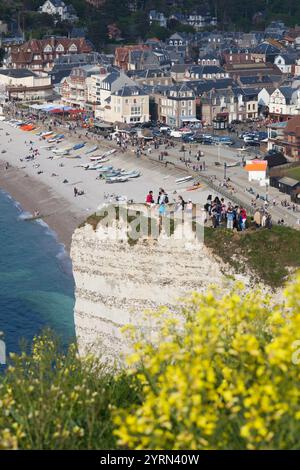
(36, 283)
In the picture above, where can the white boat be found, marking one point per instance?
(92, 149)
(116, 179)
(131, 174)
(68, 155)
(104, 155)
(48, 147)
(185, 179)
(97, 158)
(44, 134)
(62, 150)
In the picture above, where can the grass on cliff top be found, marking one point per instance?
(269, 254)
(293, 173)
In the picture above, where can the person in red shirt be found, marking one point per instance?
(149, 198)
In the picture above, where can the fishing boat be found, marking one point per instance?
(98, 162)
(48, 147)
(116, 179)
(78, 146)
(91, 150)
(131, 174)
(62, 150)
(95, 166)
(68, 155)
(44, 135)
(185, 179)
(112, 174)
(105, 169)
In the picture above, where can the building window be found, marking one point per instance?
(135, 110)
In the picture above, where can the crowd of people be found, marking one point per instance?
(225, 214)
(162, 200)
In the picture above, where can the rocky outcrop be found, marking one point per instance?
(117, 281)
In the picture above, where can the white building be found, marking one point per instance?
(102, 88)
(285, 101)
(257, 171)
(60, 9)
(23, 84)
(285, 63)
(157, 17)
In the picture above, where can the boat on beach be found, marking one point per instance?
(78, 146)
(185, 179)
(46, 135)
(104, 155)
(194, 187)
(116, 179)
(64, 150)
(48, 147)
(91, 150)
(130, 174)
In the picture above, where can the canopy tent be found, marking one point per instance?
(53, 108)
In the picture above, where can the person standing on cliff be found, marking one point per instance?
(149, 198)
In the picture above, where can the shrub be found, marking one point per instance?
(55, 400)
(224, 380)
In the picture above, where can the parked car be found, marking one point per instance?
(252, 143)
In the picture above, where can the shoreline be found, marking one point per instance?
(47, 183)
(32, 194)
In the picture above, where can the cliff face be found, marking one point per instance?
(116, 282)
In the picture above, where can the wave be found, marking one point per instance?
(62, 255)
(24, 215)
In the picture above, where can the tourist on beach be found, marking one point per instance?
(75, 191)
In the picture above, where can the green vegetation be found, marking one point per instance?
(50, 399)
(293, 173)
(134, 25)
(269, 254)
(225, 378)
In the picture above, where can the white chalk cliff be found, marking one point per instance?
(117, 281)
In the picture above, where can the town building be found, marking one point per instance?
(151, 77)
(158, 18)
(103, 85)
(95, 3)
(209, 59)
(286, 62)
(284, 103)
(175, 105)
(224, 105)
(74, 89)
(39, 54)
(129, 104)
(285, 137)
(25, 85)
(257, 171)
(59, 9)
(3, 27)
(198, 72)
